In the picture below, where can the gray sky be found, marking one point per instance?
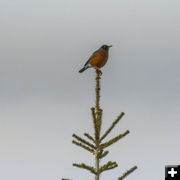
(44, 99)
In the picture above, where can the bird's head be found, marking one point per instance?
(106, 47)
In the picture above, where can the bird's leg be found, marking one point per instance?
(100, 72)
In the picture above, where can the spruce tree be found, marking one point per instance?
(95, 144)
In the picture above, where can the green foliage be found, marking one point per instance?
(94, 144)
(127, 173)
(84, 166)
(109, 165)
(112, 126)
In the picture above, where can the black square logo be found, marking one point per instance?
(172, 172)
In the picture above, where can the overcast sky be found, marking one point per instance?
(43, 98)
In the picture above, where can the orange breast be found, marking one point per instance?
(100, 59)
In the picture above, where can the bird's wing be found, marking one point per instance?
(93, 55)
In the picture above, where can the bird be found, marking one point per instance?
(98, 59)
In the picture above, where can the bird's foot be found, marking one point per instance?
(99, 71)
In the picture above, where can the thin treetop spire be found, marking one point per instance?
(95, 144)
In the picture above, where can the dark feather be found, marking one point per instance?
(83, 69)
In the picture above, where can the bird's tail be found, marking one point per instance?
(83, 69)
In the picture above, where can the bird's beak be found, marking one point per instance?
(110, 46)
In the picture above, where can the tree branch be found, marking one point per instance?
(98, 74)
(103, 154)
(109, 165)
(127, 173)
(112, 126)
(94, 123)
(83, 141)
(112, 141)
(83, 146)
(84, 166)
(89, 137)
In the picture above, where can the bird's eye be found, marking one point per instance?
(105, 47)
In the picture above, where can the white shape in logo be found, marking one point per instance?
(172, 172)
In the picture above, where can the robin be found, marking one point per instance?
(98, 59)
